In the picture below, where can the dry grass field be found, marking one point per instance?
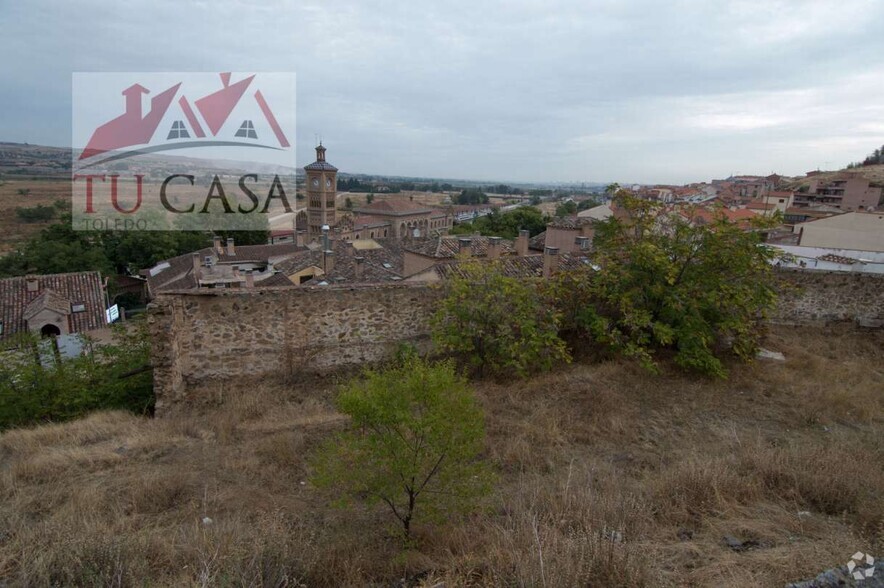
(12, 231)
(609, 476)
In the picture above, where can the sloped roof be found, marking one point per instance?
(537, 242)
(529, 266)
(393, 207)
(320, 166)
(176, 273)
(47, 300)
(571, 222)
(72, 288)
(448, 246)
(383, 263)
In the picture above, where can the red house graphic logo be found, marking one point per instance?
(195, 125)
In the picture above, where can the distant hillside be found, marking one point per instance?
(873, 173)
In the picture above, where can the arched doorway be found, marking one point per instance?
(50, 330)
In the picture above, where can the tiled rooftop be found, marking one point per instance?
(57, 292)
(448, 246)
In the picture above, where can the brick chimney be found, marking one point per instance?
(231, 248)
(493, 247)
(360, 267)
(31, 282)
(197, 266)
(301, 238)
(216, 245)
(465, 247)
(328, 260)
(250, 279)
(522, 243)
(550, 261)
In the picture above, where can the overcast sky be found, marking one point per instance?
(589, 90)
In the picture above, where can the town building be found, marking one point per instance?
(321, 188)
(53, 305)
(384, 218)
(847, 192)
(861, 231)
(420, 255)
(223, 265)
(829, 259)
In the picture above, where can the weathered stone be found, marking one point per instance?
(770, 355)
(841, 578)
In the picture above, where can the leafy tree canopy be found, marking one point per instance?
(505, 224)
(663, 282)
(498, 324)
(414, 442)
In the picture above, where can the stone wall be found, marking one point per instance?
(819, 297)
(210, 344)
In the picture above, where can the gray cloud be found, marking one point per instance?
(597, 90)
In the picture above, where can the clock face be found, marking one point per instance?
(315, 182)
(328, 183)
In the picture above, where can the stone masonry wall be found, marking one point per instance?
(210, 344)
(819, 297)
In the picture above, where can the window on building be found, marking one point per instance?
(247, 130)
(78, 307)
(178, 131)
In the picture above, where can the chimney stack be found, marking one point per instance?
(231, 248)
(216, 245)
(328, 261)
(493, 247)
(360, 267)
(465, 247)
(301, 238)
(250, 279)
(325, 245)
(31, 283)
(522, 243)
(197, 265)
(550, 261)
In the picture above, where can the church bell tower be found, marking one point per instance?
(322, 185)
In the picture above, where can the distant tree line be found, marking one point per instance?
(471, 196)
(59, 248)
(875, 158)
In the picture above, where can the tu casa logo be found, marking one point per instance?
(215, 145)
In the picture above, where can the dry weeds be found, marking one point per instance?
(609, 477)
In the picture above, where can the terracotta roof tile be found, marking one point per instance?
(448, 246)
(54, 291)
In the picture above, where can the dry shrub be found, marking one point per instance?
(697, 488)
(577, 531)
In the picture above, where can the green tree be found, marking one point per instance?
(369, 198)
(505, 224)
(35, 214)
(587, 204)
(471, 196)
(37, 385)
(566, 208)
(414, 442)
(496, 323)
(665, 282)
(611, 190)
(348, 203)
